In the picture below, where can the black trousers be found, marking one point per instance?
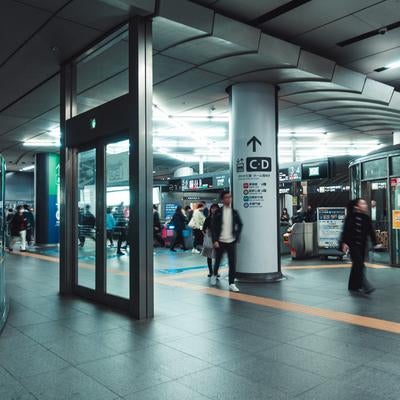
(179, 239)
(230, 249)
(158, 238)
(110, 236)
(210, 267)
(357, 279)
(198, 238)
(121, 239)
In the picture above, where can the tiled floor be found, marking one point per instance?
(199, 346)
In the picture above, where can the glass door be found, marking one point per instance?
(395, 209)
(102, 199)
(87, 227)
(117, 212)
(375, 193)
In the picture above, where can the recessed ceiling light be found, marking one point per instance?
(392, 65)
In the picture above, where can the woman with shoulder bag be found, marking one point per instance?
(208, 245)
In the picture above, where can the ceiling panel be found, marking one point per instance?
(239, 64)
(8, 122)
(304, 86)
(377, 90)
(217, 108)
(312, 15)
(292, 112)
(365, 116)
(365, 48)
(168, 33)
(36, 61)
(246, 10)
(94, 13)
(30, 129)
(302, 98)
(53, 115)
(197, 98)
(184, 83)
(369, 64)
(356, 109)
(328, 35)
(277, 75)
(202, 50)
(22, 21)
(40, 101)
(332, 103)
(381, 14)
(50, 5)
(166, 67)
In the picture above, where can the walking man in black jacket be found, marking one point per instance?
(356, 231)
(226, 230)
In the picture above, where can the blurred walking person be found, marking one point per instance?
(196, 223)
(18, 226)
(356, 231)
(226, 230)
(110, 224)
(208, 245)
(157, 228)
(179, 222)
(31, 223)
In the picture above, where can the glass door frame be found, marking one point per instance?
(100, 291)
(128, 116)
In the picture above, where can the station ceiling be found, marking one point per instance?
(322, 54)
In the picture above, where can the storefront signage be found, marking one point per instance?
(221, 181)
(291, 173)
(175, 185)
(316, 170)
(330, 225)
(169, 210)
(197, 184)
(396, 219)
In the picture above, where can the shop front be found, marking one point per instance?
(376, 178)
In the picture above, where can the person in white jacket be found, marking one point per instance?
(196, 223)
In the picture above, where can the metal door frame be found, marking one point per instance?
(129, 115)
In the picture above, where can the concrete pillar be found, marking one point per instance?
(47, 183)
(396, 138)
(253, 132)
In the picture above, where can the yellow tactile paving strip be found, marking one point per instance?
(176, 281)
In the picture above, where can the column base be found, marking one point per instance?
(269, 277)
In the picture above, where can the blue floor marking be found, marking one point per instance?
(179, 270)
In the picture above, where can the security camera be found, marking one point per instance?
(383, 30)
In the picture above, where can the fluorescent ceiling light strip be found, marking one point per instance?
(41, 143)
(27, 168)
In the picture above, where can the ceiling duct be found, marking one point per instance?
(380, 31)
(283, 9)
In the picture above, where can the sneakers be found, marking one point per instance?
(195, 251)
(233, 288)
(213, 280)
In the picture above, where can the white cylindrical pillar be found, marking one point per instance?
(396, 138)
(253, 132)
